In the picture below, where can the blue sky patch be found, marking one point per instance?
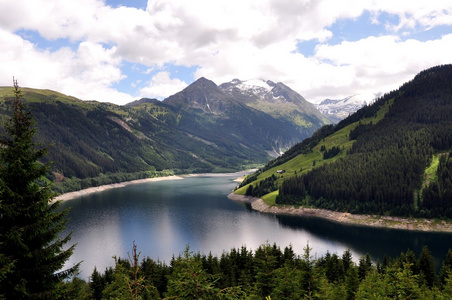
(353, 30)
(44, 44)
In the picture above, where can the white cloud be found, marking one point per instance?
(162, 86)
(87, 73)
(415, 12)
(381, 64)
(225, 38)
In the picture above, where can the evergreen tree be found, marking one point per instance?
(427, 267)
(189, 281)
(347, 260)
(446, 268)
(266, 263)
(97, 284)
(288, 285)
(352, 282)
(29, 220)
(364, 266)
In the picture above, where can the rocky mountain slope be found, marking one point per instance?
(277, 100)
(274, 120)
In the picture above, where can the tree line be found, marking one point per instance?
(270, 272)
(264, 187)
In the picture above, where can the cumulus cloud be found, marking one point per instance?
(87, 73)
(224, 39)
(381, 64)
(415, 12)
(161, 86)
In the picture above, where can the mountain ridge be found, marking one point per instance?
(277, 100)
(200, 129)
(338, 109)
(204, 97)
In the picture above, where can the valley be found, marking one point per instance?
(200, 129)
(225, 150)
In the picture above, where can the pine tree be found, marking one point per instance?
(427, 267)
(96, 284)
(29, 220)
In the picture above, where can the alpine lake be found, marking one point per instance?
(164, 217)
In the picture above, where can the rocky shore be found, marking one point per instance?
(347, 218)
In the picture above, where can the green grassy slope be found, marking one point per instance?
(374, 161)
(304, 163)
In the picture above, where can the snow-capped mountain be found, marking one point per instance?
(255, 90)
(336, 110)
(250, 90)
(278, 101)
(262, 115)
(275, 99)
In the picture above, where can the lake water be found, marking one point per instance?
(164, 217)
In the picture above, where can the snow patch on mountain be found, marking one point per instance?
(252, 88)
(256, 83)
(337, 110)
(258, 87)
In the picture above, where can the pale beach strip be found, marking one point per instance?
(96, 189)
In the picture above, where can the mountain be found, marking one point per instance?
(202, 96)
(273, 124)
(200, 129)
(393, 157)
(277, 100)
(142, 101)
(337, 110)
(98, 143)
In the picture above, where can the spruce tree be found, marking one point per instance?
(30, 223)
(426, 266)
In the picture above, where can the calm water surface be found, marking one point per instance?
(164, 217)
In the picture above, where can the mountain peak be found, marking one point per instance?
(204, 80)
(203, 94)
(203, 83)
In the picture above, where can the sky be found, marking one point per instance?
(118, 51)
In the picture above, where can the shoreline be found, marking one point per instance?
(101, 188)
(425, 225)
(257, 204)
(96, 189)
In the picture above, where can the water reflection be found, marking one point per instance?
(163, 217)
(376, 241)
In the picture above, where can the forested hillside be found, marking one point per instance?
(385, 150)
(200, 129)
(99, 143)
